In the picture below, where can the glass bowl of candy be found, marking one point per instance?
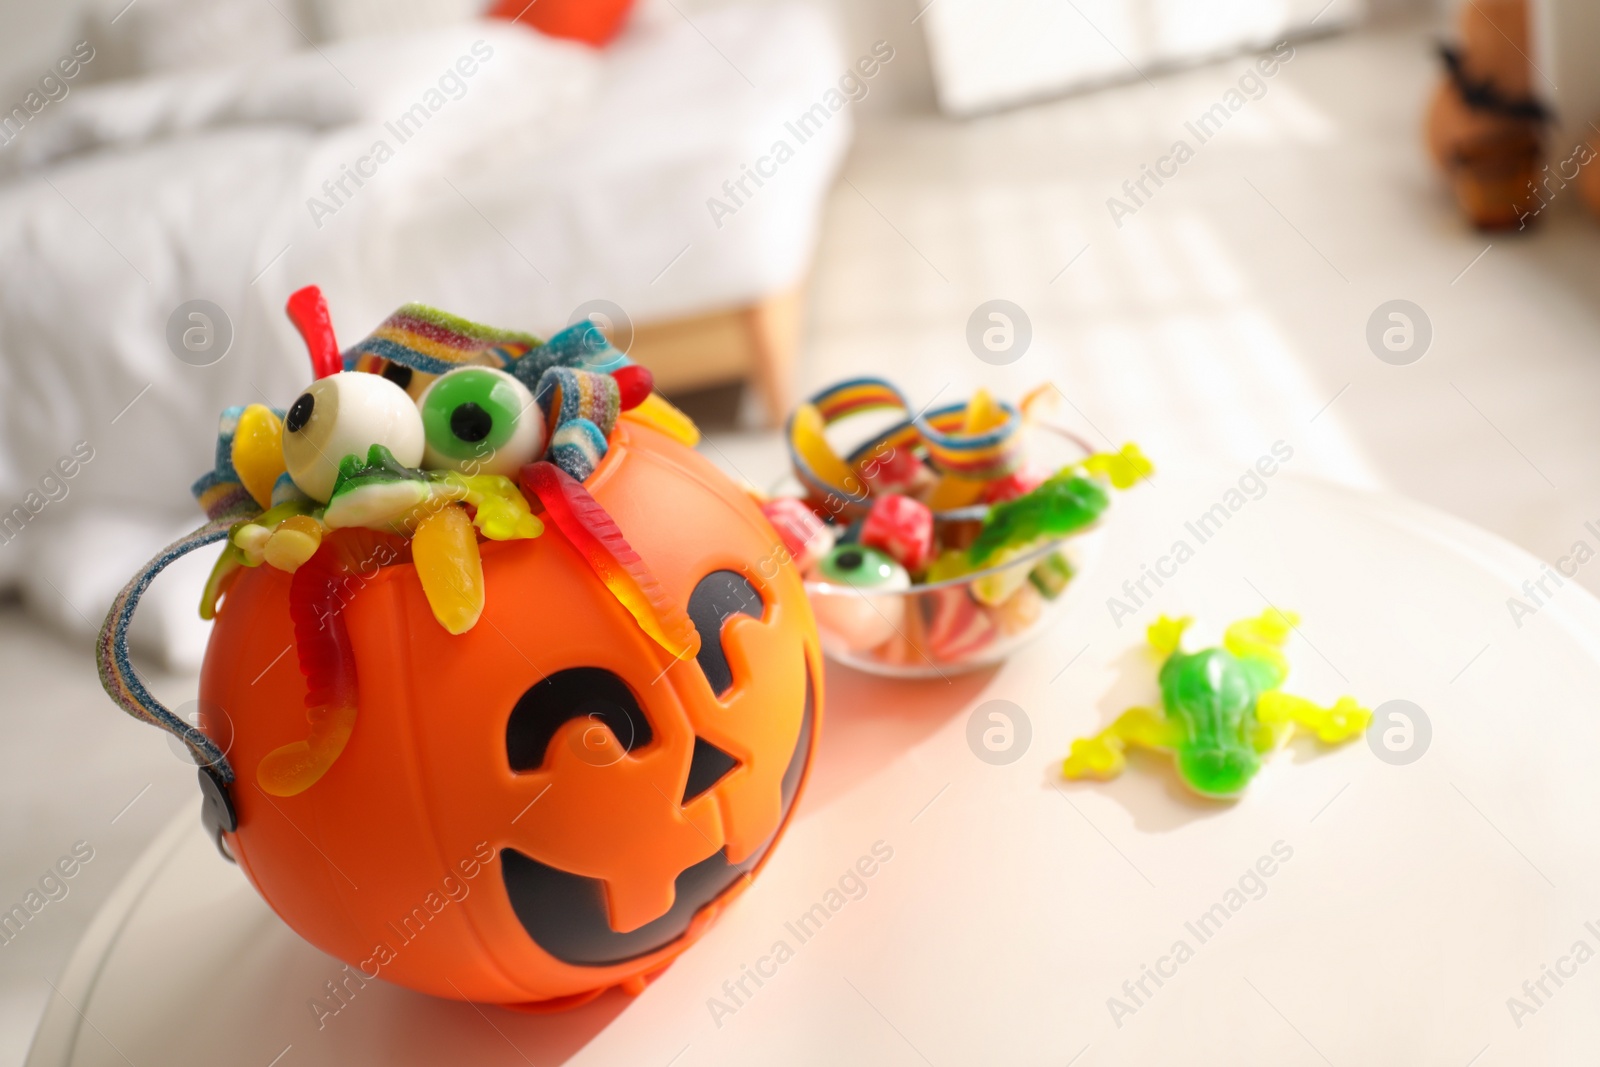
(873, 618)
(947, 539)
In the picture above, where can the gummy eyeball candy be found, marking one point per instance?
(863, 568)
(479, 420)
(855, 616)
(343, 415)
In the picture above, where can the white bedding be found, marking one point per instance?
(560, 175)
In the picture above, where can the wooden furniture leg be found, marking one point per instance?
(757, 343)
(774, 326)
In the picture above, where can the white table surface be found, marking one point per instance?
(1417, 900)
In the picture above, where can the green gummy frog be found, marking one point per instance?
(1223, 709)
(374, 493)
(1063, 504)
(1068, 501)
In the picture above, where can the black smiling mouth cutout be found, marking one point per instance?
(566, 914)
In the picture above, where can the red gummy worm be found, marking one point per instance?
(309, 312)
(586, 524)
(319, 593)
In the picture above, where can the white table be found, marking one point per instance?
(1417, 900)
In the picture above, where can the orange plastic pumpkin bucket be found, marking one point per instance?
(549, 804)
(543, 796)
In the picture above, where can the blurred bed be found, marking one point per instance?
(524, 179)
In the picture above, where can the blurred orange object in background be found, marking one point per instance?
(593, 22)
(1484, 127)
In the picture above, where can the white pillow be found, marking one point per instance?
(533, 81)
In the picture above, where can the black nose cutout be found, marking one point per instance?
(581, 692)
(708, 767)
(716, 597)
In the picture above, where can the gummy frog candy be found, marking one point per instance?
(502, 512)
(1066, 502)
(374, 493)
(1222, 707)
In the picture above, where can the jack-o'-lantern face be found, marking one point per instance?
(583, 740)
(548, 804)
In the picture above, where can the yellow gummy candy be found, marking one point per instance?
(507, 518)
(996, 588)
(806, 437)
(1094, 757)
(258, 452)
(1039, 401)
(982, 413)
(251, 539)
(502, 511)
(294, 541)
(657, 413)
(1125, 468)
(951, 492)
(1166, 633)
(445, 552)
(222, 576)
(1332, 725)
(952, 563)
(1101, 756)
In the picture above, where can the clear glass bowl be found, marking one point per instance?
(949, 627)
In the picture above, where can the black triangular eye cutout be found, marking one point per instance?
(717, 596)
(709, 766)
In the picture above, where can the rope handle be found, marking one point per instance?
(123, 684)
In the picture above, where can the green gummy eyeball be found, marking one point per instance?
(480, 420)
(862, 568)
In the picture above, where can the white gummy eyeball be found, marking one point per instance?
(343, 415)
